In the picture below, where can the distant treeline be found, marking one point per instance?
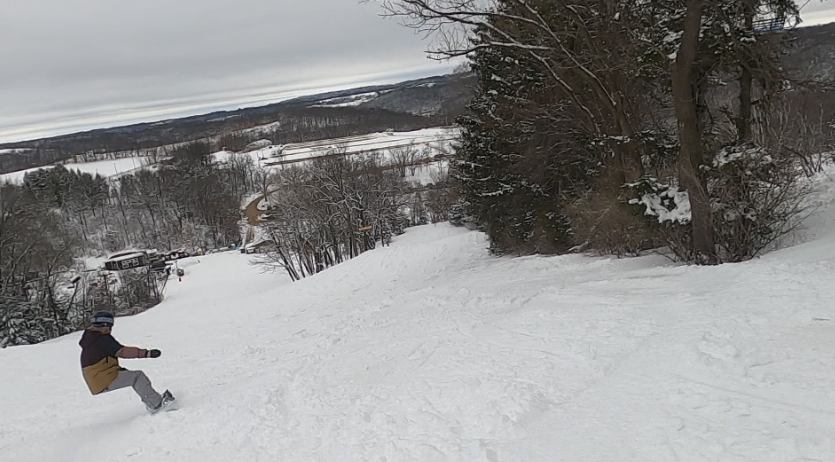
(409, 108)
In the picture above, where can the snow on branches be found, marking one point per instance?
(665, 202)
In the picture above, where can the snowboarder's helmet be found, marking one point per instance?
(102, 317)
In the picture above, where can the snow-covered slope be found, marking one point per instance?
(429, 350)
(105, 168)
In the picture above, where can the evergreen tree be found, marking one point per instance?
(517, 211)
(20, 323)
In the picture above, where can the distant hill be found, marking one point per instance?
(813, 52)
(404, 106)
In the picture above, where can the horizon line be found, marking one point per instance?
(172, 110)
(197, 106)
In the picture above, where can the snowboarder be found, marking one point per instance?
(100, 364)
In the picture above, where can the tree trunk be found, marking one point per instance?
(743, 123)
(691, 156)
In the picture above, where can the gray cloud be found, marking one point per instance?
(83, 63)
(817, 11)
(817, 5)
(71, 65)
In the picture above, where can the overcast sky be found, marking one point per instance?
(69, 65)
(817, 11)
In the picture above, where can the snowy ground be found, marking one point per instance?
(437, 140)
(429, 350)
(349, 101)
(106, 168)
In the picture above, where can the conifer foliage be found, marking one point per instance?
(580, 104)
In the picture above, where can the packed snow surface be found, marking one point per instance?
(105, 168)
(431, 350)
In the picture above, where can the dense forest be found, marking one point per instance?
(618, 128)
(57, 216)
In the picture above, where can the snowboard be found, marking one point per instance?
(172, 405)
(169, 404)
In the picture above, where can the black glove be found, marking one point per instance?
(154, 353)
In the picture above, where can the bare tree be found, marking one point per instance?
(266, 182)
(404, 157)
(330, 209)
(442, 194)
(605, 91)
(799, 125)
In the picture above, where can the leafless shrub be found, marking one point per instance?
(442, 194)
(330, 210)
(799, 125)
(138, 291)
(756, 198)
(609, 227)
(404, 157)
(440, 173)
(234, 141)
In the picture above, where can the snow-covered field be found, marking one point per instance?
(430, 350)
(349, 101)
(14, 151)
(436, 140)
(106, 168)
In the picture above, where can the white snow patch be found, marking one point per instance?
(15, 151)
(748, 153)
(427, 173)
(348, 101)
(669, 205)
(106, 168)
(222, 157)
(93, 262)
(263, 205)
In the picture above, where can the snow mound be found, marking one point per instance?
(431, 350)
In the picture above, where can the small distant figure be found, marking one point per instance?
(100, 354)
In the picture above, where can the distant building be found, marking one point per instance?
(131, 259)
(122, 262)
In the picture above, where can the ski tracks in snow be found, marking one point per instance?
(429, 350)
